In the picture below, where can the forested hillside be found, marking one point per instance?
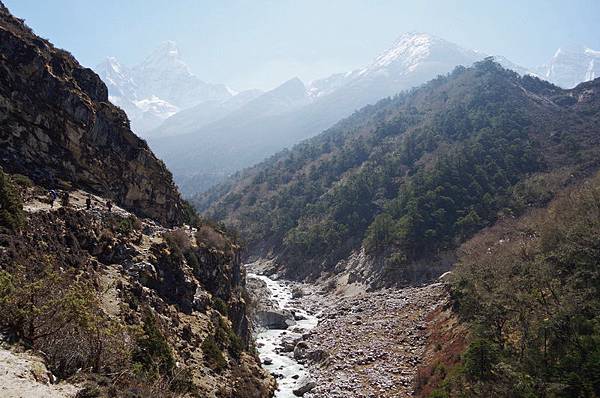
(528, 289)
(411, 177)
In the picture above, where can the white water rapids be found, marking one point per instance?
(269, 341)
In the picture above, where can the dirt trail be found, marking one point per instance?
(25, 376)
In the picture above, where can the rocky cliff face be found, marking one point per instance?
(57, 125)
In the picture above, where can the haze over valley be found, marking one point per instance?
(289, 203)
(221, 131)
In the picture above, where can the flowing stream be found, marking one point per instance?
(288, 370)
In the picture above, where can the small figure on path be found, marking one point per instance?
(109, 205)
(65, 199)
(53, 195)
(88, 202)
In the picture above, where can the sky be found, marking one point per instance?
(262, 43)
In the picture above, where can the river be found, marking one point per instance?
(269, 341)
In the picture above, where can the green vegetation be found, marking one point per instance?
(152, 354)
(530, 291)
(56, 312)
(220, 306)
(411, 176)
(22, 181)
(213, 354)
(12, 215)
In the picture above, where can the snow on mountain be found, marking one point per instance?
(165, 75)
(157, 88)
(292, 112)
(117, 78)
(412, 58)
(412, 50)
(572, 65)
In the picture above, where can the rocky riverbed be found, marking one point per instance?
(343, 345)
(282, 324)
(370, 344)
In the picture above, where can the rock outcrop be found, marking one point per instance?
(58, 127)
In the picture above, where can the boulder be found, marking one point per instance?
(300, 350)
(274, 319)
(317, 356)
(304, 385)
(298, 316)
(288, 343)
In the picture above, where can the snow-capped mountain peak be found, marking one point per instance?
(592, 53)
(409, 48)
(412, 50)
(412, 53)
(159, 86)
(165, 58)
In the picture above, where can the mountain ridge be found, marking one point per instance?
(252, 139)
(352, 187)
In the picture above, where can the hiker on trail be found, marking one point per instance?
(88, 202)
(109, 205)
(53, 195)
(65, 199)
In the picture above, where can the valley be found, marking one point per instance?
(338, 340)
(425, 225)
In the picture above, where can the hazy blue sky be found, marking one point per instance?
(260, 43)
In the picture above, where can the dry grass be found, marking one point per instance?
(210, 237)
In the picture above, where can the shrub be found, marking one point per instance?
(12, 215)
(213, 354)
(128, 225)
(153, 354)
(177, 238)
(220, 306)
(56, 312)
(22, 181)
(236, 345)
(211, 237)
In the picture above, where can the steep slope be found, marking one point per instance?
(115, 305)
(390, 191)
(121, 306)
(56, 124)
(412, 60)
(527, 293)
(157, 88)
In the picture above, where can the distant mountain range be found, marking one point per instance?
(220, 132)
(157, 88)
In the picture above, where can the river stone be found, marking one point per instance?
(275, 319)
(300, 350)
(304, 385)
(288, 343)
(298, 316)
